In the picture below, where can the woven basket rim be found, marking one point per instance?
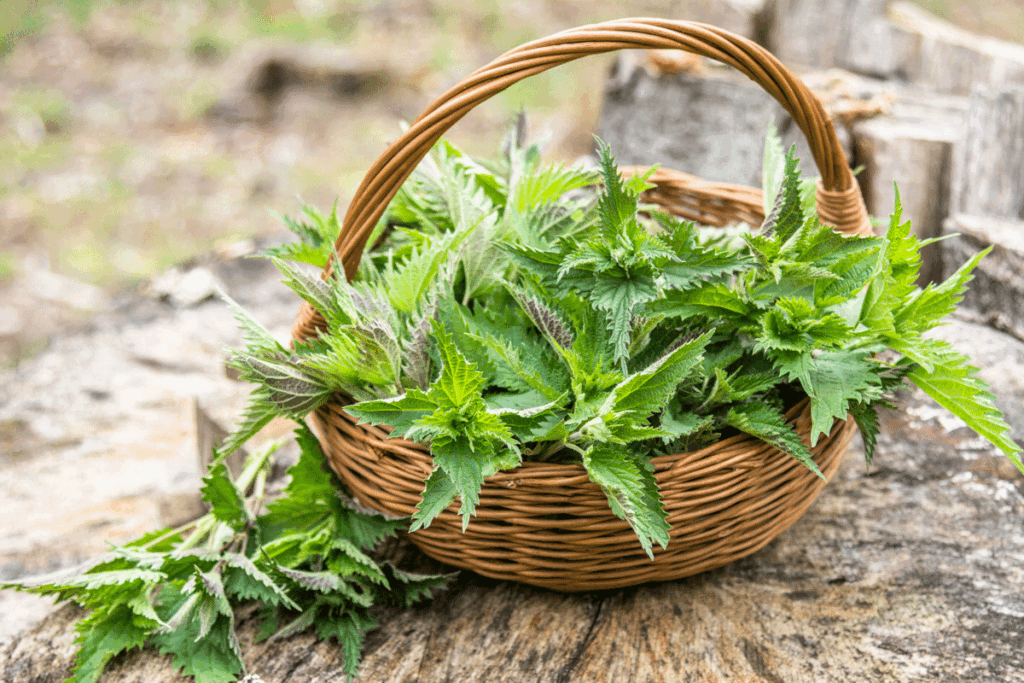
(535, 469)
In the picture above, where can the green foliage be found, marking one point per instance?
(569, 327)
(303, 557)
(316, 236)
(632, 492)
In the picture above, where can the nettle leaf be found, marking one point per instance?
(700, 264)
(347, 627)
(438, 493)
(619, 298)
(773, 168)
(867, 422)
(834, 380)
(309, 488)
(546, 186)
(470, 447)
(628, 482)
(903, 251)
(955, 387)
(103, 634)
(401, 412)
(786, 215)
(532, 421)
(225, 500)
(648, 391)
(460, 381)
(926, 308)
(465, 467)
(245, 581)
(211, 659)
(322, 582)
(679, 423)
(821, 245)
(316, 237)
(116, 577)
(779, 333)
(314, 290)
(854, 272)
(765, 250)
(713, 300)
(409, 281)
(409, 588)
(769, 425)
(530, 366)
(299, 624)
(617, 204)
(282, 382)
(349, 560)
(258, 413)
(256, 337)
(548, 321)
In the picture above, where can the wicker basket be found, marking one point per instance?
(547, 524)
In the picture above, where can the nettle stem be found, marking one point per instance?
(550, 451)
(173, 532)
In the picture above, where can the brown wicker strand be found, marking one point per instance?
(845, 210)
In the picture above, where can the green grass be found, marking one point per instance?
(21, 18)
(8, 265)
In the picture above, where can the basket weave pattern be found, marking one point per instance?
(548, 524)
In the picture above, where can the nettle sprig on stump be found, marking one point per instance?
(303, 557)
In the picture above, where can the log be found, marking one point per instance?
(874, 45)
(711, 124)
(988, 171)
(822, 33)
(932, 53)
(997, 291)
(911, 146)
(906, 572)
(742, 17)
(890, 40)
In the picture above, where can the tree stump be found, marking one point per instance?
(710, 124)
(891, 40)
(988, 173)
(911, 146)
(820, 33)
(934, 54)
(997, 291)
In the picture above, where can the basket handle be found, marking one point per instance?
(839, 201)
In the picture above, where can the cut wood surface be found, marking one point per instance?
(906, 572)
(931, 53)
(709, 124)
(997, 291)
(911, 148)
(892, 40)
(988, 175)
(822, 33)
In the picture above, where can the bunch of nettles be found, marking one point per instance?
(304, 557)
(506, 314)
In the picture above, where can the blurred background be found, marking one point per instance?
(137, 135)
